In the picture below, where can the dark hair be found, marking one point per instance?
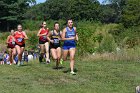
(69, 19)
(41, 25)
(56, 23)
(66, 22)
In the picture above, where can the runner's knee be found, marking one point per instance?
(64, 59)
(55, 58)
(71, 58)
(58, 58)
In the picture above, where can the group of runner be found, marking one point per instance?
(48, 40)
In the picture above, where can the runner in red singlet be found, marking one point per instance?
(43, 42)
(11, 46)
(20, 37)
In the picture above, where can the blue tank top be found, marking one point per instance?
(70, 34)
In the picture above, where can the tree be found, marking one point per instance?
(63, 9)
(131, 13)
(116, 6)
(12, 12)
(108, 14)
(128, 11)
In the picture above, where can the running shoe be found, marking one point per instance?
(48, 61)
(40, 58)
(18, 64)
(21, 63)
(72, 73)
(14, 61)
(61, 61)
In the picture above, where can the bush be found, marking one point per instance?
(126, 37)
(33, 40)
(86, 43)
(85, 29)
(93, 36)
(32, 25)
(107, 45)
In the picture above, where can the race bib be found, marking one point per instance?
(13, 43)
(72, 34)
(56, 41)
(44, 37)
(20, 40)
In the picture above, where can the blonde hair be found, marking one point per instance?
(12, 30)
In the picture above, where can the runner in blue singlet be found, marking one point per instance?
(69, 36)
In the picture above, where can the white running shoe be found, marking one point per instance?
(61, 61)
(48, 61)
(73, 73)
(18, 64)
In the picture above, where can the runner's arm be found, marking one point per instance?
(26, 37)
(60, 35)
(76, 37)
(7, 40)
(48, 37)
(38, 34)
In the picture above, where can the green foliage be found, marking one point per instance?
(31, 25)
(12, 12)
(126, 37)
(92, 77)
(115, 11)
(35, 25)
(3, 37)
(36, 12)
(90, 37)
(127, 11)
(32, 42)
(86, 43)
(93, 36)
(63, 9)
(131, 13)
(108, 14)
(107, 45)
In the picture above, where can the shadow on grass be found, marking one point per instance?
(68, 70)
(24, 65)
(58, 68)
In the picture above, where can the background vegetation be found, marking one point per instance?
(108, 48)
(92, 77)
(103, 28)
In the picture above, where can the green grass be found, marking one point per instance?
(92, 77)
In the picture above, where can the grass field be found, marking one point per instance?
(92, 77)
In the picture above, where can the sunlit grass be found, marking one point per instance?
(92, 77)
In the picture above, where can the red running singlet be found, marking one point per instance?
(44, 38)
(19, 37)
(11, 42)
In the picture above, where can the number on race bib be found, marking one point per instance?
(56, 41)
(13, 43)
(44, 37)
(20, 39)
